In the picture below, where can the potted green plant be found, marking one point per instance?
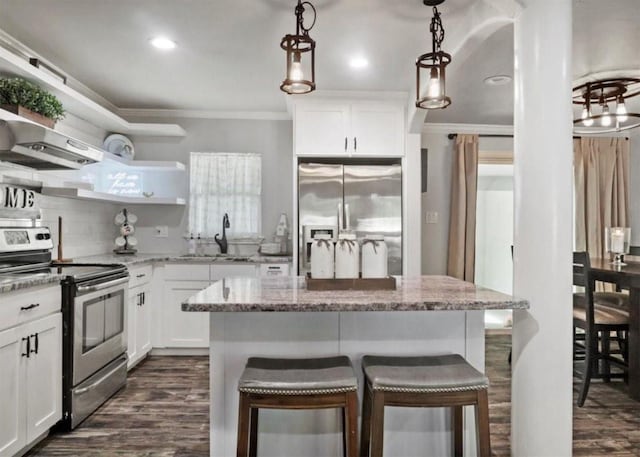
(28, 100)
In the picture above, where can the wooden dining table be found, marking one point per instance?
(626, 277)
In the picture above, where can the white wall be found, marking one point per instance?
(87, 226)
(634, 187)
(435, 237)
(272, 138)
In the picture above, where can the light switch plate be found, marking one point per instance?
(162, 231)
(432, 217)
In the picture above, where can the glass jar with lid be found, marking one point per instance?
(347, 256)
(322, 256)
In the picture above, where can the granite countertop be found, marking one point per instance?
(138, 259)
(11, 283)
(421, 293)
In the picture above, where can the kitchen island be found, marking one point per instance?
(279, 317)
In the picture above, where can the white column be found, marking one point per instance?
(541, 415)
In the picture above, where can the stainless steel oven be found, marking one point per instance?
(99, 326)
(94, 310)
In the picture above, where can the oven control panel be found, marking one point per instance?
(14, 239)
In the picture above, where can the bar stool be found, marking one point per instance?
(315, 383)
(424, 381)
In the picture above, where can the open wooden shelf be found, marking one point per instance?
(80, 105)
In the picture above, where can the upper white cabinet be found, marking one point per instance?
(377, 129)
(355, 129)
(322, 129)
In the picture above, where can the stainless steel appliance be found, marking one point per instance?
(94, 303)
(36, 146)
(364, 198)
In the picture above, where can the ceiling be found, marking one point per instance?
(228, 56)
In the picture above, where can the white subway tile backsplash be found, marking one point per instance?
(88, 227)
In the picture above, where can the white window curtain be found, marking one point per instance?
(225, 183)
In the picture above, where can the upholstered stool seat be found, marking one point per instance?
(422, 381)
(312, 383)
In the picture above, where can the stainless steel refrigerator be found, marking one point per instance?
(364, 198)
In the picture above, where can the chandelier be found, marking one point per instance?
(604, 104)
(298, 46)
(433, 64)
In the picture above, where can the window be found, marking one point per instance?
(225, 183)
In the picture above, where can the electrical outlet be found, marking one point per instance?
(432, 217)
(162, 231)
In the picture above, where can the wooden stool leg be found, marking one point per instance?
(243, 425)
(482, 424)
(456, 426)
(377, 423)
(350, 425)
(253, 434)
(365, 431)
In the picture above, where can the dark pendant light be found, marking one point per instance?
(300, 48)
(431, 66)
(595, 97)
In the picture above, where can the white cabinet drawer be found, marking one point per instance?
(274, 269)
(140, 275)
(28, 304)
(186, 272)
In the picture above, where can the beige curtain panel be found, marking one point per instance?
(462, 222)
(601, 167)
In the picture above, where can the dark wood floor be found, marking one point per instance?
(164, 412)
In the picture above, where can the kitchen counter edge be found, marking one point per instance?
(14, 285)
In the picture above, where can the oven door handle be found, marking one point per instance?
(101, 286)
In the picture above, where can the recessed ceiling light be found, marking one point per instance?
(497, 80)
(358, 62)
(164, 43)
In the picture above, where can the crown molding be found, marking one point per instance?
(489, 129)
(204, 114)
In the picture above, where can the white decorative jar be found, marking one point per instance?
(374, 257)
(347, 256)
(322, 256)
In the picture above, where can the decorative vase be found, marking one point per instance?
(28, 114)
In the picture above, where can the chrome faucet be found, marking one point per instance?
(222, 242)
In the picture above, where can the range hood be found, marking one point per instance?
(36, 146)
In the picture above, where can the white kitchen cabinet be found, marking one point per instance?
(322, 129)
(44, 375)
(349, 129)
(13, 428)
(232, 271)
(191, 330)
(134, 299)
(184, 330)
(139, 314)
(377, 129)
(31, 381)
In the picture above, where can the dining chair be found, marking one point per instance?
(597, 321)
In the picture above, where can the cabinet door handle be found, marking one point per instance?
(139, 300)
(31, 306)
(144, 297)
(141, 275)
(345, 144)
(35, 337)
(26, 354)
(355, 144)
